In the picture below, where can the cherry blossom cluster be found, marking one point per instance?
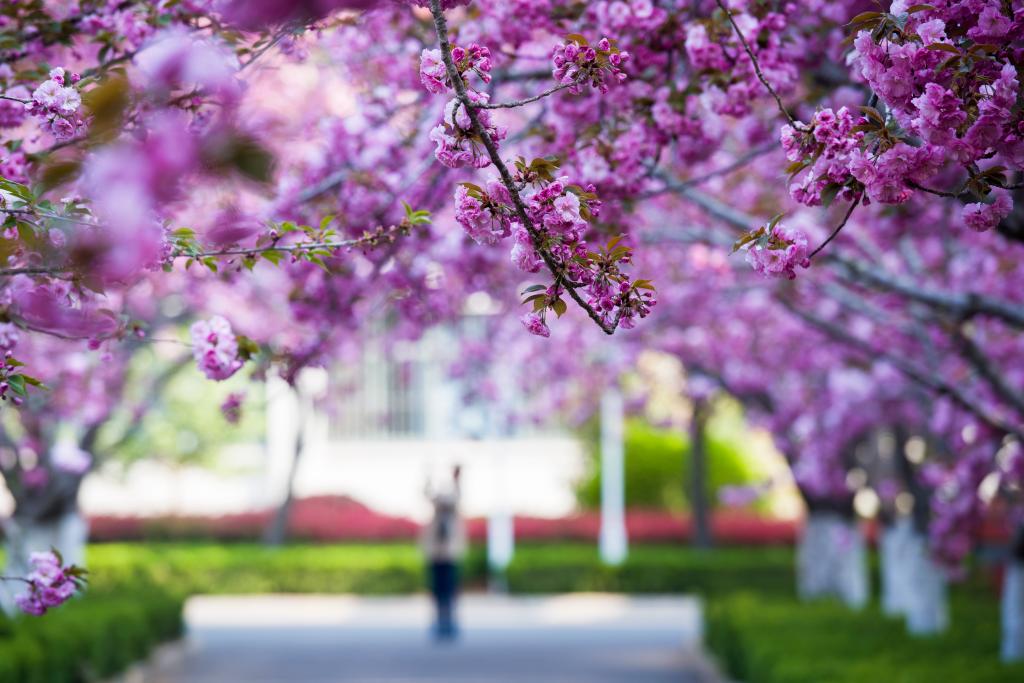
(948, 100)
(475, 58)
(215, 348)
(484, 213)
(577, 64)
(776, 250)
(231, 408)
(561, 212)
(57, 104)
(831, 156)
(457, 145)
(50, 584)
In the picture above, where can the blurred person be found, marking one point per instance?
(444, 543)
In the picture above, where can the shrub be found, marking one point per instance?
(657, 467)
(776, 639)
(249, 568)
(651, 569)
(91, 638)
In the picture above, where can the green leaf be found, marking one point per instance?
(559, 307)
(326, 220)
(943, 47)
(873, 114)
(534, 288)
(865, 17)
(828, 194)
(17, 384)
(273, 255)
(17, 189)
(747, 239)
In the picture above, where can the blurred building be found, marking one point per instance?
(374, 429)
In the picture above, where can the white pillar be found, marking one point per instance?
(613, 541)
(501, 540)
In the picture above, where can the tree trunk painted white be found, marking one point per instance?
(1013, 612)
(893, 549)
(832, 560)
(927, 603)
(68, 534)
(613, 543)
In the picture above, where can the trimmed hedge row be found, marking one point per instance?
(652, 569)
(91, 638)
(398, 568)
(775, 639)
(377, 569)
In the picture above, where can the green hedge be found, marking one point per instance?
(762, 639)
(91, 638)
(250, 568)
(652, 569)
(657, 462)
(398, 568)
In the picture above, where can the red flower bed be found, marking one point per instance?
(651, 526)
(339, 518)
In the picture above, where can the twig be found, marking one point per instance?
(366, 240)
(937, 193)
(528, 100)
(835, 233)
(676, 186)
(757, 68)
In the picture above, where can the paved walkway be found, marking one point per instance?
(335, 639)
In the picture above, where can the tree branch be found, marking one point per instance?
(441, 28)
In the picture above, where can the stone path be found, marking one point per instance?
(335, 639)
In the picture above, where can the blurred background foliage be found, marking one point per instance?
(657, 461)
(184, 424)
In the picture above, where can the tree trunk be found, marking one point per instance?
(927, 602)
(893, 550)
(277, 531)
(921, 582)
(67, 533)
(1013, 602)
(832, 559)
(699, 477)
